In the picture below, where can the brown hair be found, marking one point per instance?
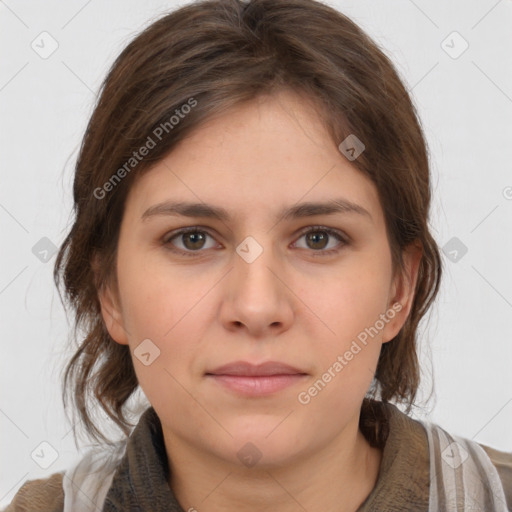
(219, 53)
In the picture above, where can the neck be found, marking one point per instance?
(339, 478)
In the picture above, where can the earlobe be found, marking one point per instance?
(403, 291)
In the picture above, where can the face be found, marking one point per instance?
(312, 289)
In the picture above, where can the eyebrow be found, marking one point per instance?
(204, 210)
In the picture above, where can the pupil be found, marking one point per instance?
(199, 238)
(315, 237)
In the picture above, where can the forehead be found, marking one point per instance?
(255, 158)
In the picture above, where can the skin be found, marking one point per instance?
(290, 305)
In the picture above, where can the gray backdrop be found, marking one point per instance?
(456, 59)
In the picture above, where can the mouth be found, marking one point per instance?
(248, 379)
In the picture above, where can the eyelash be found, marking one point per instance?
(312, 229)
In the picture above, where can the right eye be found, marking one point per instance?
(192, 240)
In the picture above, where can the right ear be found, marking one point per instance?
(110, 306)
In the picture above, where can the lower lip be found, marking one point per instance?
(257, 386)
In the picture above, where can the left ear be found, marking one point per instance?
(402, 291)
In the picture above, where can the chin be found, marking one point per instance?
(263, 441)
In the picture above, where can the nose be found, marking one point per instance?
(256, 297)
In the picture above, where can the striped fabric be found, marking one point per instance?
(462, 476)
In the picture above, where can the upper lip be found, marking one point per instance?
(252, 370)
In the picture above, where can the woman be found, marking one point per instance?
(251, 247)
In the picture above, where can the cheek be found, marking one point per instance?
(157, 297)
(168, 307)
(356, 298)
(350, 310)
(164, 336)
(348, 356)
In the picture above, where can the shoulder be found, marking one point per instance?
(41, 495)
(81, 487)
(502, 461)
(458, 466)
(464, 467)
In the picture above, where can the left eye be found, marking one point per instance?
(317, 238)
(320, 237)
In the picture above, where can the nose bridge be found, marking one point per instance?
(256, 264)
(257, 297)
